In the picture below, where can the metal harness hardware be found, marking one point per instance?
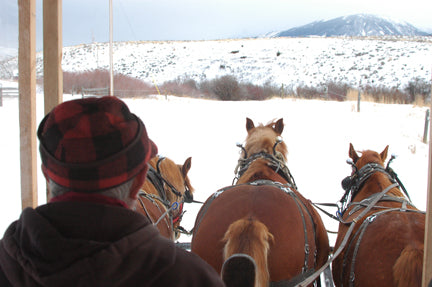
(352, 185)
(159, 182)
(275, 162)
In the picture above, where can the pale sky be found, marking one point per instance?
(88, 20)
(215, 19)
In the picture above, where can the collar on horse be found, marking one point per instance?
(352, 184)
(276, 162)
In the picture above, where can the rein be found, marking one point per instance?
(312, 278)
(352, 185)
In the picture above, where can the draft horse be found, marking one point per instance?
(261, 231)
(381, 232)
(163, 194)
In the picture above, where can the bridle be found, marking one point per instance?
(160, 183)
(276, 161)
(353, 183)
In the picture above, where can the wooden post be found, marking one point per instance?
(426, 126)
(427, 258)
(111, 90)
(358, 101)
(27, 101)
(52, 51)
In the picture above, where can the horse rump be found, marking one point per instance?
(407, 270)
(251, 237)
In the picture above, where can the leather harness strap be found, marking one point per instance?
(287, 189)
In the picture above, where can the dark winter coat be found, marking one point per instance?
(90, 244)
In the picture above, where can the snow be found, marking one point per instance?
(317, 134)
(380, 61)
(7, 53)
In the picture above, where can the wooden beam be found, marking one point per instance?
(27, 101)
(111, 90)
(52, 51)
(427, 257)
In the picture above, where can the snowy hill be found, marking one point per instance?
(353, 25)
(388, 62)
(7, 53)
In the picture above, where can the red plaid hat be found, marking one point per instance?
(93, 144)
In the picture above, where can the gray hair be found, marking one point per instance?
(120, 192)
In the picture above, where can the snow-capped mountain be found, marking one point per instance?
(353, 25)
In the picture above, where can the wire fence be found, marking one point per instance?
(118, 93)
(7, 92)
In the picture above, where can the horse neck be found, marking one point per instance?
(260, 170)
(376, 184)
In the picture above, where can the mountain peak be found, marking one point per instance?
(353, 25)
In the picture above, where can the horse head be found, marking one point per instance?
(188, 195)
(264, 155)
(265, 139)
(367, 156)
(177, 184)
(368, 175)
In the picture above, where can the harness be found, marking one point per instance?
(153, 198)
(154, 176)
(288, 190)
(352, 185)
(276, 162)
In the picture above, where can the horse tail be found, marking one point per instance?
(251, 237)
(407, 271)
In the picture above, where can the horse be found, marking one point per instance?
(162, 196)
(261, 230)
(381, 232)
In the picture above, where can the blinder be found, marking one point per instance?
(353, 183)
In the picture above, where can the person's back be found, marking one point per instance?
(94, 155)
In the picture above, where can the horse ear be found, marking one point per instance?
(249, 124)
(353, 154)
(279, 126)
(383, 154)
(186, 166)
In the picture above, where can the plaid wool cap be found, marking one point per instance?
(93, 144)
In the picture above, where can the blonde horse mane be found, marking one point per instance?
(262, 138)
(251, 237)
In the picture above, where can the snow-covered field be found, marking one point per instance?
(317, 133)
(387, 62)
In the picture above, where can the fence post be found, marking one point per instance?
(426, 126)
(358, 101)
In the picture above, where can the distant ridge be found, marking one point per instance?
(353, 25)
